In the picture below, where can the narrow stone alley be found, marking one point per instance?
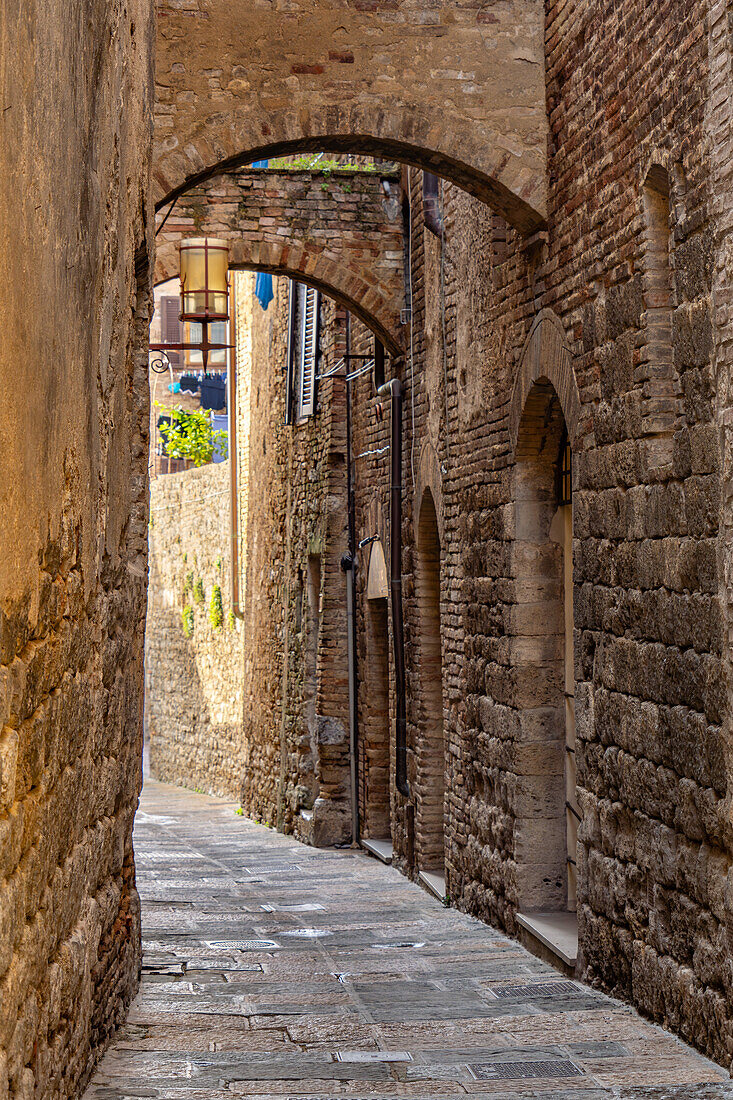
(271, 969)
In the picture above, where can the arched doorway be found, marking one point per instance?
(547, 814)
(375, 745)
(430, 782)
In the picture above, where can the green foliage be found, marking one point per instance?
(198, 591)
(188, 583)
(231, 621)
(217, 563)
(311, 162)
(190, 435)
(187, 618)
(216, 608)
(239, 811)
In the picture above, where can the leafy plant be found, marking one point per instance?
(310, 162)
(216, 608)
(198, 591)
(231, 621)
(187, 618)
(188, 583)
(239, 811)
(190, 435)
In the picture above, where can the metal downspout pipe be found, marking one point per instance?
(393, 388)
(348, 565)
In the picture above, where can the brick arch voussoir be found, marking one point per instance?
(428, 477)
(424, 138)
(546, 357)
(346, 287)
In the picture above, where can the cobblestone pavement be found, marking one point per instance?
(275, 970)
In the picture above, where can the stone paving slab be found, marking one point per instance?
(273, 970)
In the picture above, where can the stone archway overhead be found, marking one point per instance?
(546, 356)
(341, 233)
(238, 82)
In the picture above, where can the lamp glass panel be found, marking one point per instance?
(194, 275)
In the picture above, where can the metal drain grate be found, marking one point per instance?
(401, 943)
(242, 945)
(536, 989)
(505, 1071)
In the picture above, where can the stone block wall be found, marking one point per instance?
(75, 148)
(193, 653)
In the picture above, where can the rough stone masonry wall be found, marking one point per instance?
(652, 707)
(193, 644)
(74, 176)
(295, 709)
(650, 597)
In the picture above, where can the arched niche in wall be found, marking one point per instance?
(546, 355)
(544, 419)
(545, 805)
(428, 706)
(375, 754)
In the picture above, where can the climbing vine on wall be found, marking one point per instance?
(187, 619)
(216, 608)
(198, 591)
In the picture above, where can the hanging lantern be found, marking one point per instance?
(204, 284)
(204, 295)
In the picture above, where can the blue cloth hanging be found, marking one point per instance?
(263, 289)
(263, 283)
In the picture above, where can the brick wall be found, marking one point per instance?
(339, 230)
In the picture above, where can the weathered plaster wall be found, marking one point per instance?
(75, 97)
(194, 675)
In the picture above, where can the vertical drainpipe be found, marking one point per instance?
(393, 388)
(348, 565)
(233, 482)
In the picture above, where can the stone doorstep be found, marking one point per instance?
(382, 849)
(557, 932)
(434, 883)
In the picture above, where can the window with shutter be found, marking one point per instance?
(170, 308)
(310, 300)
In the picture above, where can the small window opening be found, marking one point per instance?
(565, 473)
(303, 351)
(378, 364)
(432, 213)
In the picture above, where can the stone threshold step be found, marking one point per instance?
(382, 849)
(556, 932)
(434, 882)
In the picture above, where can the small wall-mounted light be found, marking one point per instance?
(204, 266)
